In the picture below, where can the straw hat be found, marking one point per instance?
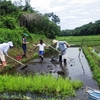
(55, 41)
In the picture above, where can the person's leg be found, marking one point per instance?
(60, 58)
(41, 54)
(2, 57)
(65, 58)
(24, 50)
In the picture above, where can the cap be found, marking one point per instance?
(25, 34)
(55, 41)
(10, 43)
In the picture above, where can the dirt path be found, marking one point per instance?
(76, 69)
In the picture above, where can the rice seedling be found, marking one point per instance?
(93, 60)
(46, 84)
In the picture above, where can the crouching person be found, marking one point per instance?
(4, 47)
(62, 46)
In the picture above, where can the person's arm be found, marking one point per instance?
(35, 45)
(27, 42)
(67, 44)
(57, 46)
(45, 45)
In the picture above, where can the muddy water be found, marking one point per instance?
(77, 68)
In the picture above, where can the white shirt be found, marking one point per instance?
(4, 47)
(41, 47)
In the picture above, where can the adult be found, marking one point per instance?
(24, 42)
(62, 46)
(4, 47)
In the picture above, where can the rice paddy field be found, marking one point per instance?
(77, 40)
(91, 48)
(48, 84)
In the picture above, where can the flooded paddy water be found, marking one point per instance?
(77, 68)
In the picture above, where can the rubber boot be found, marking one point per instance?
(24, 56)
(4, 63)
(65, 62)
(60, 58)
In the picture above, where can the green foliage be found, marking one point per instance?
(85, 30)
(8, 67)
(13, 35)
(14, 16)
(8, 22)
(6, 7)
(90, 48)
(53, 17)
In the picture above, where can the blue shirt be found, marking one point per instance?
(62, 46)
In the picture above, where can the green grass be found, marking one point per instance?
(94, 62)
(46, 84)
(77, 40)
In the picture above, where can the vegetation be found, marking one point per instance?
(77, 40)
(16, 19)
(85, 30)
(39, 84)
(94, 62)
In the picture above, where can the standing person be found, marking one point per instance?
(24, 42)
(62, 46)
(41, 46)
(4, 47)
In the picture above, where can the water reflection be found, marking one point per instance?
(96, 49)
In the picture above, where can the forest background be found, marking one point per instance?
(16, 19)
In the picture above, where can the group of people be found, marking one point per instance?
(61, 45)
(4, 47)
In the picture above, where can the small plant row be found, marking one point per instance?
(46, 84)
(77, 40)
(94, 62)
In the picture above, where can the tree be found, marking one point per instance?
(54, 18)
(6, 7)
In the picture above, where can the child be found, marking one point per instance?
(41, 46)
(24, 44)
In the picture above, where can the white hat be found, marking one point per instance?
(10, 43)
(55, 41)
